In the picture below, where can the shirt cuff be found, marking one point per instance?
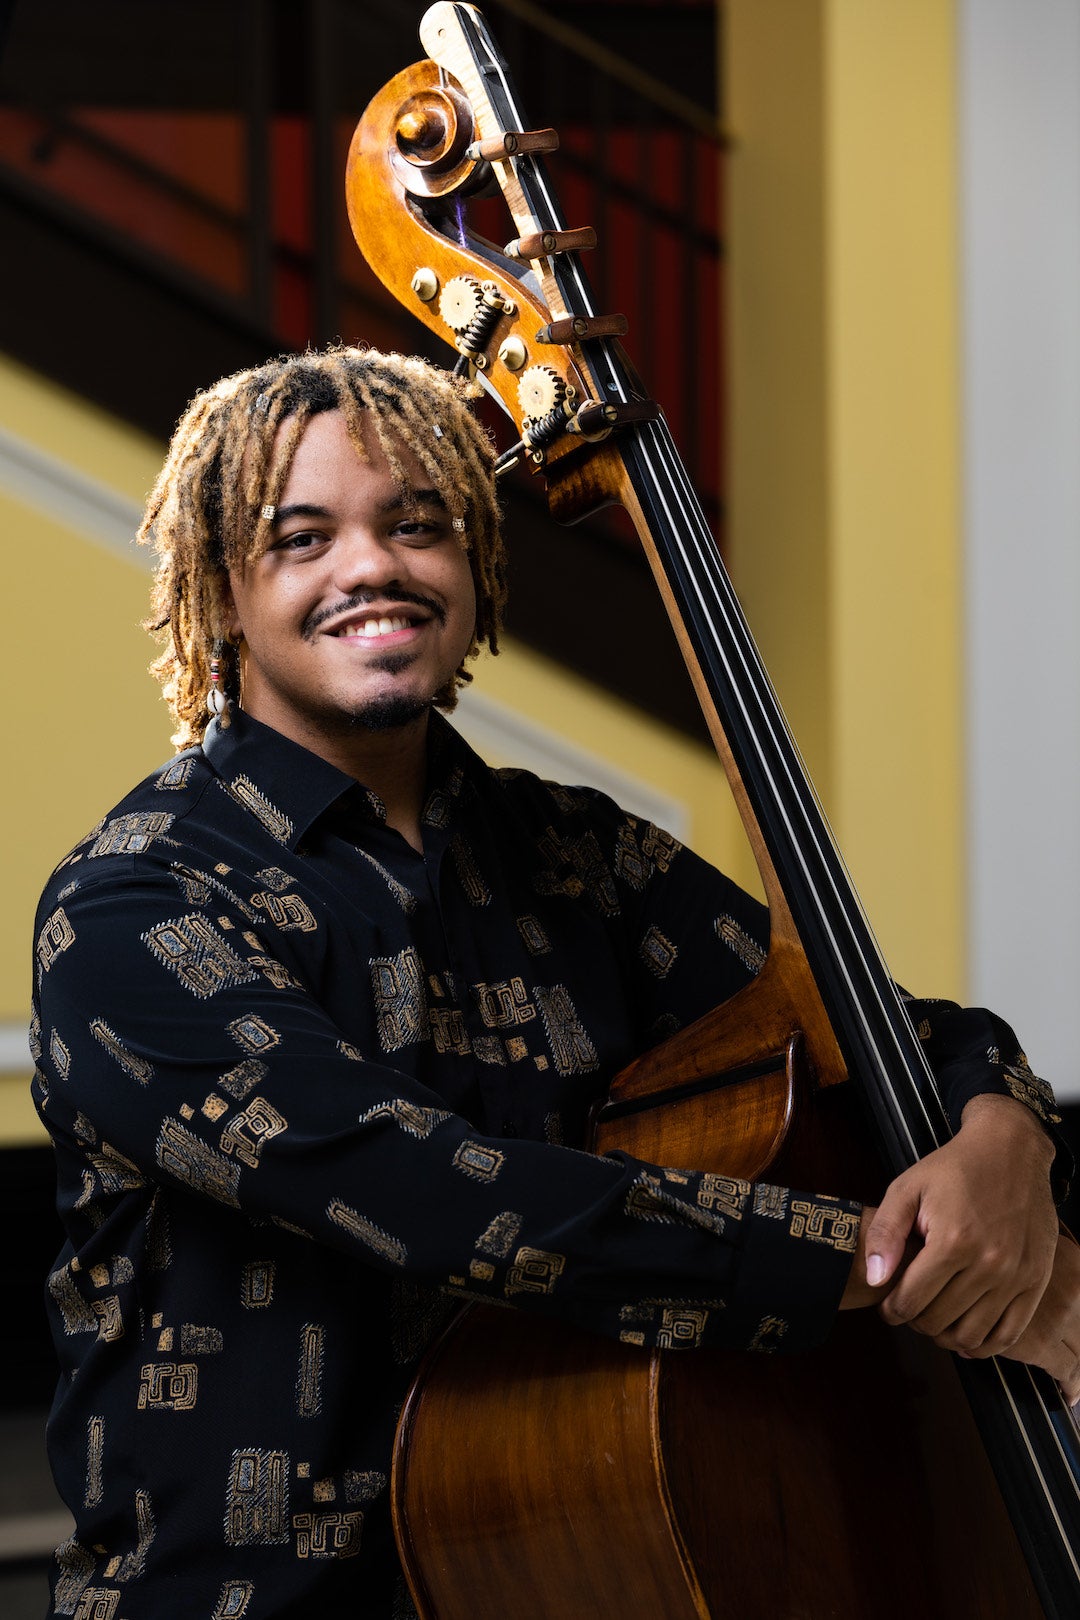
(794, 1263)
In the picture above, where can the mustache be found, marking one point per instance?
(358, 599)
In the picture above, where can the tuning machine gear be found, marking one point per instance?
(471, 309)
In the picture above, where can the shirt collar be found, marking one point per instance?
(284, 785)
(287, 787)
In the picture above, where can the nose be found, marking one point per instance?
(363, 559)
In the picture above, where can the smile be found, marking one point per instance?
(373, 629)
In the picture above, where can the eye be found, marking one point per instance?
(420, 531)
(303, 540)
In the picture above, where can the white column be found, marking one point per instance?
(1019, 173)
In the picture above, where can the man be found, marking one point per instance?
(323, 1006)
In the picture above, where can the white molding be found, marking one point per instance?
(71, 497)
(15, 1048)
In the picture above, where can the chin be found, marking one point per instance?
(388, 713)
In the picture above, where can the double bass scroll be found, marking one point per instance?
(540, 1472)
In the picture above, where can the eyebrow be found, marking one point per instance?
(395, 503)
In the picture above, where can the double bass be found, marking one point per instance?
(540, 1471)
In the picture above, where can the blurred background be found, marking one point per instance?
(846, 234)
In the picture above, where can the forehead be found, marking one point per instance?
(325, 460)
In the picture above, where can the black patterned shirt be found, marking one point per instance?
(309, 1089)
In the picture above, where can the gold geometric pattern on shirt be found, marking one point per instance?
(137, 1067)
(197, 1339)
(245, 793)
(448, 1031)
(588, 870)
(310, 1370)
(328, 1535)
(489, 1049)
(647, 1201)
(243, 1078)
(133, 1564)
(277, 973)
(257, 1284)
(770, 1330)
(233, 1600)
(1031, 1090)
(55, 937)
(116, 1173)
(110, 1318)
(630, 864)
(415, 1118)
(770, 1201)
(500, 1234)
(197, 1165)
(248, 1133)
(60, 1055)
(171, 1386)
(253, 1033)
(726, 1195)
(363, 1486)
(76, 1313)
(275, 878)
(533, 936)
(130, 835)
(76, 1568)
(473, 887)
(479, 1162)
(257, 1498)
(366, 1232)
(736, 939)
(534, 1271)
(192, 948)
(176, 773)
(286, 911)
(824, 1223)
(193, 887)
(571, 1048)
(505, 1004)
(404, 897)
(95, 1450)
(681, 1328)
(400, 1003)
(657, 952)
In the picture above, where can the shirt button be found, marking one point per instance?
(509, 1128)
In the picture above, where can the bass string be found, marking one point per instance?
(808, 844)
(719, 605)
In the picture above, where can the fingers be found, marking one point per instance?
(888, 1231)
(1051, 1339)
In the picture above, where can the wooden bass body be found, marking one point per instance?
(544, 1473)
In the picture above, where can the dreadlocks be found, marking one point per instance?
(212, 507)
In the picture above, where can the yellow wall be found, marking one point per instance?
(83, 721)
(844, 499)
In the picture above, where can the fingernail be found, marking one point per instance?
(875, 1270)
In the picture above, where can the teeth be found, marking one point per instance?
(371, 628)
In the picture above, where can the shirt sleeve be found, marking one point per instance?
(176, 1049)
(700, 938)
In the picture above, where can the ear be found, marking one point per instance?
(230, 613)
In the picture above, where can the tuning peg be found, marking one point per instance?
(576, 328)
(543, 244)
(514, 143)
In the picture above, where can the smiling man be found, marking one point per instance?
(323, 1007)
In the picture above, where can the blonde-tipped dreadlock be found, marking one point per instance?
(205, 514)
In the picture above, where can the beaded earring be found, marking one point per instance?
(217, 703)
